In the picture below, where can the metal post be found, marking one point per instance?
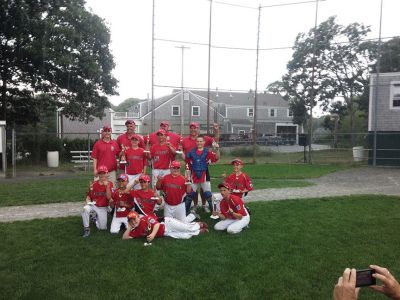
(256, 89)
(312, 85)
(182, 115)
(3, 146)
(376, 84)
(13, 153)
(209, 69)
(152, 72)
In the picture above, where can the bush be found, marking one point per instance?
(248, 152)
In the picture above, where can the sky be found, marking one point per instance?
(130, 23)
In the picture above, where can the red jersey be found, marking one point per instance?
(98, 193)
(136, 161)
(106, 153)
(174, 189)
(188, 143)
(240, 182)
(171, 137)
(144, 201)
(235, 203)
(146, 226)
(161, 156)
(123, 139)
(210, 158)
(123, 203)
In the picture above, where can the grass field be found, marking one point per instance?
(54, 190)
(293, 250)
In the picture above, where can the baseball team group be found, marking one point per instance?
(136, 200)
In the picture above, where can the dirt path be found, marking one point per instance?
(366, 180)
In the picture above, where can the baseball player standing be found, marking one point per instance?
(122, 203)
(234, 216)
(97, 200)
(175, 187)
(239, 181)
(136, 161)
(149, 227)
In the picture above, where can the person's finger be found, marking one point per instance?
(353, 275)
(380, 270)
(346, 275)
(340, 281)
(385, 280)
(357, 291)
(377, 288)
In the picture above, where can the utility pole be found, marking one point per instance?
(209, 70)
(182, 116)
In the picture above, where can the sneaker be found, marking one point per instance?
(86, 232)
(196, 215)
(206, 209)
(194, 208)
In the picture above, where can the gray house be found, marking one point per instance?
(234, 112)
(387, 118)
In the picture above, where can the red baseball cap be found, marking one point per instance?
(175, 164)
(194, 124)
(135, 137)
(164, 123)
(130, 122)
(133, 215)
(161, 131)
(123, 177)
(106, 128)
(237, 161)
(225, 185)
(102, 169)
(145, 178)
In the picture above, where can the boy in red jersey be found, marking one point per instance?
(175, 187)
(97, 200)
(172, 137)
(122, 203)
(161, 154)
(145, 198)
(199, 158)
(149, 227)
(239, 181)
(136, 161)
(105, 152)
(234, 216)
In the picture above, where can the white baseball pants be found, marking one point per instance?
(180, 230)
(101, 216)
(178, 212)
(233, 226)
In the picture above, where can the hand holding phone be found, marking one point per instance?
(364, 277)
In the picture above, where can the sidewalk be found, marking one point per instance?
(377, 181)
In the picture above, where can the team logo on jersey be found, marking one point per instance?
(152, 221)
(237, 207)
(112, 148)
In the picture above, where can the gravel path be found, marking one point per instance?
(367, 180)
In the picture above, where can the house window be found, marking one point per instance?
(195, 111)
(241, 132)
(395, 95)
(250, 112)
(272, 112)
(289, 113)
(176, 111)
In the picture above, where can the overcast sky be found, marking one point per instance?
(130, 22)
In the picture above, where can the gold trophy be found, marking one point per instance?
(147, 149)
(122, 160)
(179, 151)
(188, 174)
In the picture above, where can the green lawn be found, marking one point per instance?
(293, 250)
(53, 190)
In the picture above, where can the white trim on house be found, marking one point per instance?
(394, 87)
(198, 112)
(172, 110)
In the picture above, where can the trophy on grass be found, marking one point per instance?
(216, 199)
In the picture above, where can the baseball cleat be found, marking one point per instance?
(86, 233)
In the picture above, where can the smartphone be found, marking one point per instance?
(364, 277)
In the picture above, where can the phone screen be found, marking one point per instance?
(364, 277)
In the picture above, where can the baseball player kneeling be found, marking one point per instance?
(234, 216)
(122, 202)
(150, 228)
(97, 201)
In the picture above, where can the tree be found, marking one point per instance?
(127, 104)
(53, 54)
